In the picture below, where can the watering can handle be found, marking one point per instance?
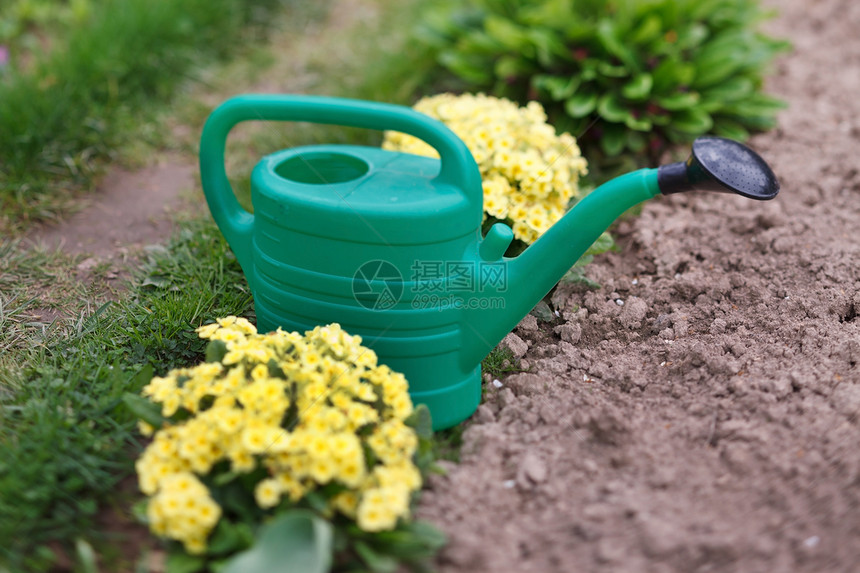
(458, 167)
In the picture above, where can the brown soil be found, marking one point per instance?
(710, 422)
(130, 209)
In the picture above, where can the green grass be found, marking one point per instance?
(67, 440)
(69, 350)
(500, 361)
(64, 115)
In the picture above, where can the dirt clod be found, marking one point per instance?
(515, 344)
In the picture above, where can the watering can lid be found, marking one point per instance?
(361, 194)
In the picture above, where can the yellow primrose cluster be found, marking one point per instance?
(310, 410)
(530, 173)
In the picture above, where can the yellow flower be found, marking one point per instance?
(208, 330)
(267, 493)
(346, 502)
(145, 429)
(322, 470)
(236, 410)
(373, 512)
(508, 142)
(242, 461)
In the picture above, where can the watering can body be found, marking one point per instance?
(389, 244)
(360, 236)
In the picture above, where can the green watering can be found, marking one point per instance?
(389, 244)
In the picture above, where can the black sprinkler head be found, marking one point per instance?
(719, 164)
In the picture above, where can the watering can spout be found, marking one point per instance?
(716, 164)
(532, 274)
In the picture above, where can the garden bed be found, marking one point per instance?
(700, 410)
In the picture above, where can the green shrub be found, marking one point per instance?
(620, 75)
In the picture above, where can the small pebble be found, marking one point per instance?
(509, 483)
(497, 383)
(812, 541)
(634, 282)
(619, 302)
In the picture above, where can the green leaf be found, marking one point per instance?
(604, 243)
(718, 71)
(558, 87)
(429, 535)
(410, 542)
(147, 411)
(638, 88)
(138, 511)
(581, 104)
(294, 542)
(141, 379)
(613, 139)
(317, 500)
(230, 538)
(223, 478)
(542, 312)
(692, 36)
(692, 121)
(215, 350)
(549, 47)
(275, 371)
(576, 275)
(636, 142)
(731, 130)
(612, 71)
(589, 69)
(606, 35)
(507, 34)
(421, 421)
(377, 562)
(155, 280)
(642, 124)
(180, 562)
(758, 104)
(508, 67)
(470, 69)
(648, 31)
(671, 74)
(678, 101)
(731, 90)
(611, 108)
(86, 556)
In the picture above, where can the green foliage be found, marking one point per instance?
(295, 541)
(305, 536)
(26, 24)
(620, 75)
(500, 361)
(576, 275)
(64, 113)
(447, 443)
(66, 436)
